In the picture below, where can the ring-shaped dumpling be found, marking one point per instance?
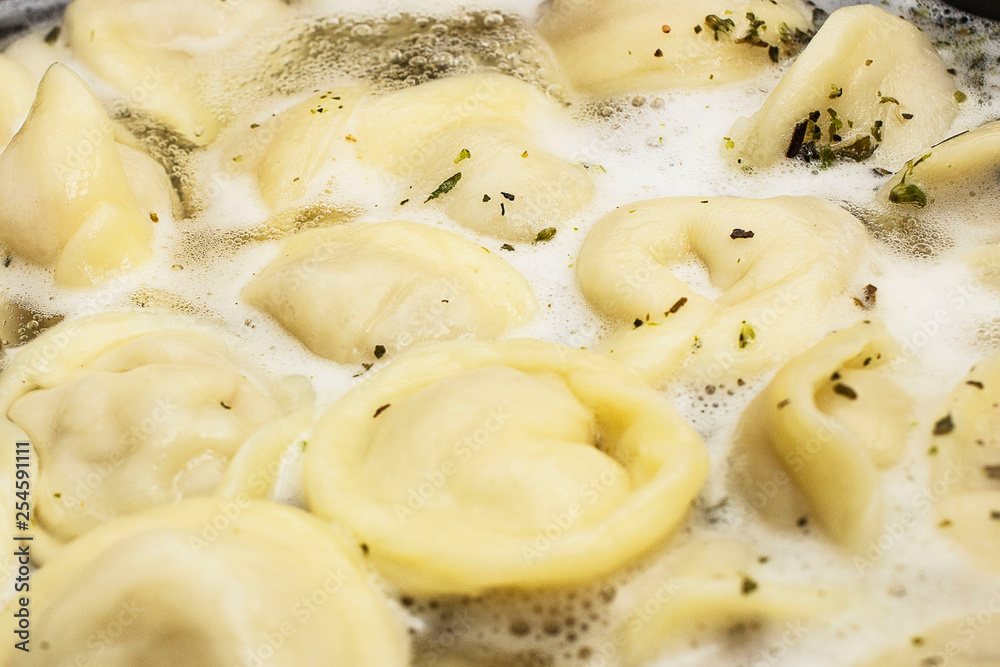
(125, 412)
(64, 197)
(966, 455)
(869, 85)
(781, 265)
(469, 466)
(608, 47)
(343, 291)
(209, 582)
(829, 421)
(149, 50)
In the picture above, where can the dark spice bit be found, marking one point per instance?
(507, 196)
(224, 406)
(658, 53)
(835, 376)
(944, 426)
(741, 234)
(802, 522)
(773, 52)
(404, 202)
(154, 217)
(638, 323)
(867, 300)
(992, 471)
(379, 351)
(6, 261)
(507, 246)
(784, 403)
(381, 410)
(697, 29)
(974, 383)
(665, 29)
(545, 235)
(747, 335)
(995, 515)
(845, 391)
(747, 586)
(503, 209)
(52, 36)
(486, 198)
(677, 306)
(907, 116)
(837, 92)
(445, 187)
(254, 126)
(364, 548)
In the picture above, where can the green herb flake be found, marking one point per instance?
(960, 96)
(860, 150)
(730, 144)
(717, 24)
(836, 92)
(524, 154)
(747, 586)
(464, 155)
(154, 217)
(545, 235)
(486, 198)
(747, 335)
(908, 193)
(944, 426)
(445, 187)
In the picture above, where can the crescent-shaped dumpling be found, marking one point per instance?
(468, 466)
(149, 49)
(209, 582)
(343, 291)
(64, 197)
(780, 263)
(608, 47)
(18, 91)
(125, 412)
(869, 85)
(966, 454)
(828, 422)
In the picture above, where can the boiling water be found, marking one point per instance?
(639, 147)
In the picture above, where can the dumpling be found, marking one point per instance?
(821, 431)
(966, 453)
(781, 265)
(125, 412)
(467, 466)
(149, 50)
(210, 582)
(493, 180)
(970, 641)
(869, 85)
(608, 47)
(18, 90)
(709, 585)
(64, 197)
(345, 291)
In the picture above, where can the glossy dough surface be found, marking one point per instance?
(344, 290)
(470, 466)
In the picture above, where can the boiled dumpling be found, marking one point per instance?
(149, 50)
(64, 197)
(781, 264)
(18, 90)
(828, 422)
(125, 412)
(205, 583)
(966, 455)
(607, 47)
(345, 291)
(466, 466)
(869, 85)
(970, 641)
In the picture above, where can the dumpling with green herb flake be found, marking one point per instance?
(65, 200)
(151, 51)
(869, 87)
(609, 47)
(345, 291)
(18, 91)
(813, 442)
(497, 182)
(127, 411)
(469, 466)
(782, 266)
(210, 582)
(712, 585)
(965, 452)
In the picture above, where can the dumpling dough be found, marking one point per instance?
(870, 84)
(205, 583)
(709, 585)
(64, 196)
(608, 47)
(125, 412)
(972, 641)
(344, 290)
(827, 422)
(18, 90)
(778, 287)
(967, 464)
(506, 188)
(149, 50)
(468, 466)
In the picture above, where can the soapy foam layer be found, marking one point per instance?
(648, 145)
